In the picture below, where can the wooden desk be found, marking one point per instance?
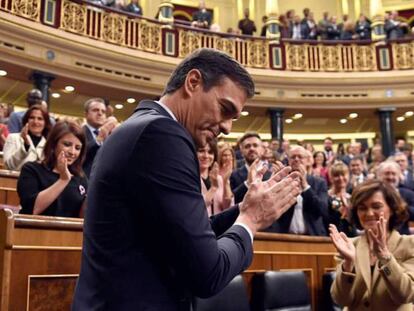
(8, 185)
(40, 260)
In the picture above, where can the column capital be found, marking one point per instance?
(386, 109)
(275, 111)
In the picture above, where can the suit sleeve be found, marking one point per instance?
(399, 276)
(239, 189)
(341, 289)
(28, 187)
(177, 210)
(316, 198)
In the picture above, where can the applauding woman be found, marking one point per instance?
(27, 146)
(214, 187)
(56, 186)
(377, 271)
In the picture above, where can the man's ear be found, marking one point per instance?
(193, 81)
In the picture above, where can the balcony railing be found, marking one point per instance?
(148, 35)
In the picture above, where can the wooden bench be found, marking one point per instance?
(40, 260)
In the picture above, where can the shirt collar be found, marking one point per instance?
(166, 109)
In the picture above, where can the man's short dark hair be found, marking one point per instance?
(92, 100)
(34, 97)
(214, 65)
(357, 158)
(248, 135)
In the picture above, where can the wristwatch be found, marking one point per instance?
(384, 260)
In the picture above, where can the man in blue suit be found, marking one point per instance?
(148, 243)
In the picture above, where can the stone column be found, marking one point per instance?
(273, 25)
(276, 123)
(387, 130)
(42, 81)
(377, 16)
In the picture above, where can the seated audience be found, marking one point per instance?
(308, 214)
(28, 145)
(57, 185)
(389, 173)
(214, 187)
(246, 25)
(377, 269)
(339, 200)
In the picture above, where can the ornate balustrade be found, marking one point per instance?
(148, 35)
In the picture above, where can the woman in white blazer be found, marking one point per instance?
(27, 146)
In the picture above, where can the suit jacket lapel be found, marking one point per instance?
(392, 245)
(362, 261)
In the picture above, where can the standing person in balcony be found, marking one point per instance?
(202, 17)
(376, 270)
(363, 28)
(28, 145)
(246, 25)
(332, 30)
(134, 7)
(57, 185)
(97, 129)
(394, 28)
(299, 31)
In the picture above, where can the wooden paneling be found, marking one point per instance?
(40, 257)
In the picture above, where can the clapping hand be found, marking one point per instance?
(344, 246)
(378, 240)
(62, 167)
(213, 175)
(25, 134)
(266, 201)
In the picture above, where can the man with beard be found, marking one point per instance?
(389, 172)
(251, 149)
(311, 208)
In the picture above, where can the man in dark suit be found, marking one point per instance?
(389, 172)
(148, 243)
(202, 17)
(307, 215)
(97, 129)
(251, 149)
(407, 181)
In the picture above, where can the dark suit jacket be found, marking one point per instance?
(148, 243)
(315, 209)
(408, 197)
(91, 149)
(237, 185)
